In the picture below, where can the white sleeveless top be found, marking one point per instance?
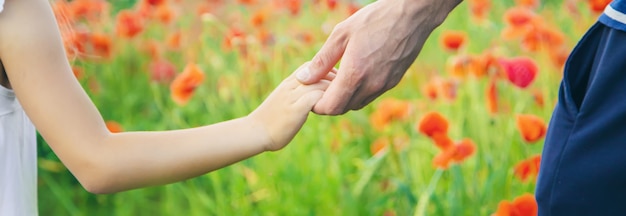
(18, 157)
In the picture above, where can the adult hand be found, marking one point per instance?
(377, 45)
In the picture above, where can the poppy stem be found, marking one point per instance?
(371, 166)
(425, 196)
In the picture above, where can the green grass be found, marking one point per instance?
(327, 169)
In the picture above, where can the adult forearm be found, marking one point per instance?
(433, 11)
(137, 159)
(376, 46)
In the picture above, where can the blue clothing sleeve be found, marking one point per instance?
(583, 165)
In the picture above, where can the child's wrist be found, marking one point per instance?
(261, 132)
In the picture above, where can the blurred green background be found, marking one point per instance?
(330, 168)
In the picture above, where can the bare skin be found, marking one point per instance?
(39, 73)
(376, 46)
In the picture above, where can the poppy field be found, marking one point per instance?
(461, 134)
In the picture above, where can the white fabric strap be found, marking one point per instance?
(611, 13)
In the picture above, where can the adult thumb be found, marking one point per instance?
(323, 62)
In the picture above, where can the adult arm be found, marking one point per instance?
(376, 46)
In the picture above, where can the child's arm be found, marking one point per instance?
(35, 61)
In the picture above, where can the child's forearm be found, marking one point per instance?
(137, 159)
(32, 52)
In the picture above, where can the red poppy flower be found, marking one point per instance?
(597, 6)
(524, 205)
(174, 40)
(129, 24)
(531, 127)
(442, 141)
(164, 13)
(456, 153)
(463, 150)
(259, 18)
(332, 4)
(353, 8)
(185, 84)
(518, 17)
(162, 71)
(459, 66)
(88, 9)
(479, 8)
(527, 168)
(234, 37)
(453, 40)
(294, 6)
(492, 96)
(389, 110)
(247, 2)
(521, 71)
(542, 36)
(527, 3)
(518, 21)
(433, 123)
(155, 2)
(101, 45)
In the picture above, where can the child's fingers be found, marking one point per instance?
(291, 82)
(308, 95)
(307, 101)
(318, 86)
(331, 76)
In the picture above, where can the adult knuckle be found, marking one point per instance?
(339, 28)
(357, 72)
(377, 86)
(339, 32)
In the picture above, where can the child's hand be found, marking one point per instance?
(285, 110)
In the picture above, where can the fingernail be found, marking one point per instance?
(304, 74)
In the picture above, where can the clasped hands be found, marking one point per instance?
(376, 46)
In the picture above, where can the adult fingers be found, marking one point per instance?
(362, 99)
(290, 78)
(374, 87)
(326, 58)
(331, 76)
(311, 93)
(338, 94)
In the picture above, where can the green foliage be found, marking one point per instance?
(328, 169)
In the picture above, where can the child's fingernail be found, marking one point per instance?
(304, 74)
